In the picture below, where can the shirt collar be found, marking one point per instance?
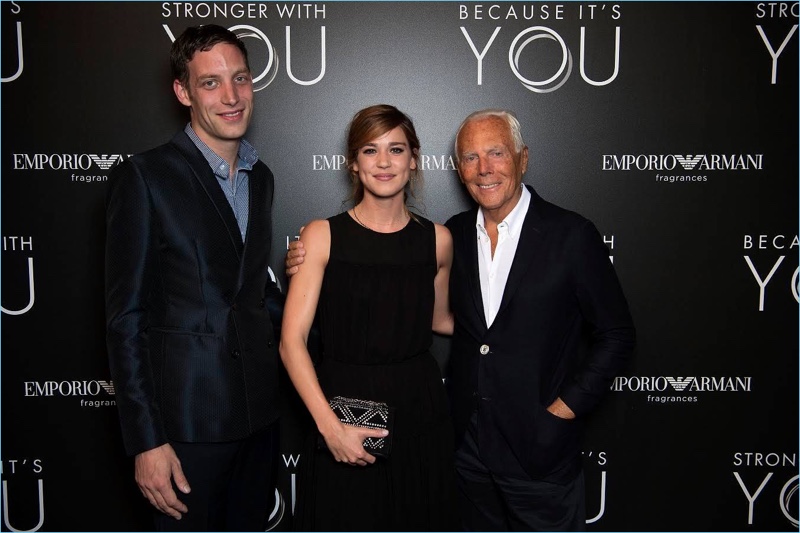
(514, 219)
(247, 155)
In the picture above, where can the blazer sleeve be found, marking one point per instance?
(604, 309)
(273, 297)
(130, 276)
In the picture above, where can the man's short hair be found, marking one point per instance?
(508, 116)
(202, 39)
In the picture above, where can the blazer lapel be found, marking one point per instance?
(202, 172)
(255, 206)
(529, 241)
(469, 246)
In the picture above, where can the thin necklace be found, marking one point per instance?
(358, 219)
(364, 225)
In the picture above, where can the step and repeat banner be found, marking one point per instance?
(672, 125)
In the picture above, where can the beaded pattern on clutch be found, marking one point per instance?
(367, 414)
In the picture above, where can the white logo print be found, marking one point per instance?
(679, 384)
(20, 64)
(108, 386)
(566, 60)
(267, 75)
(688, 162)
(31, 294)
(105, 161)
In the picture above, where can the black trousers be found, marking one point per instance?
(512, 501)
(233, 484)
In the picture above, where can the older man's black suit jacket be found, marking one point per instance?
(563, 330)
(191, 345)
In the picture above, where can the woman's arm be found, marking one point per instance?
(344, 442)
(442, 317)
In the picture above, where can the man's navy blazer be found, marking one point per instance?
(563, 330)
(191, 345)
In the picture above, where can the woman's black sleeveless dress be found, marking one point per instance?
(375, 311)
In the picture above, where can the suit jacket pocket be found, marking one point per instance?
(193, 385)
(179, 331)
(553, 446)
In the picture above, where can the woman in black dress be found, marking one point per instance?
(378, 276)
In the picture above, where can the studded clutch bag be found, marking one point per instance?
(365, 414)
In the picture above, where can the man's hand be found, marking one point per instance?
(294, 257)
(560, 409)
(154, 471)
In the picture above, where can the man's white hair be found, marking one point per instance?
(508, 116)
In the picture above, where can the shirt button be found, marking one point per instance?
(235, 354)
(484, 349)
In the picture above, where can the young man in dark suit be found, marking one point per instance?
(541, 330)
(190, 341)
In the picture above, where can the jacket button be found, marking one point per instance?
(484, 349)
(269, 344)
(261, 302)
(234, 307)
(235, 354)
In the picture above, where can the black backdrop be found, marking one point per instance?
(679, 140)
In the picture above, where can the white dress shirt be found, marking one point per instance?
(494, 270)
